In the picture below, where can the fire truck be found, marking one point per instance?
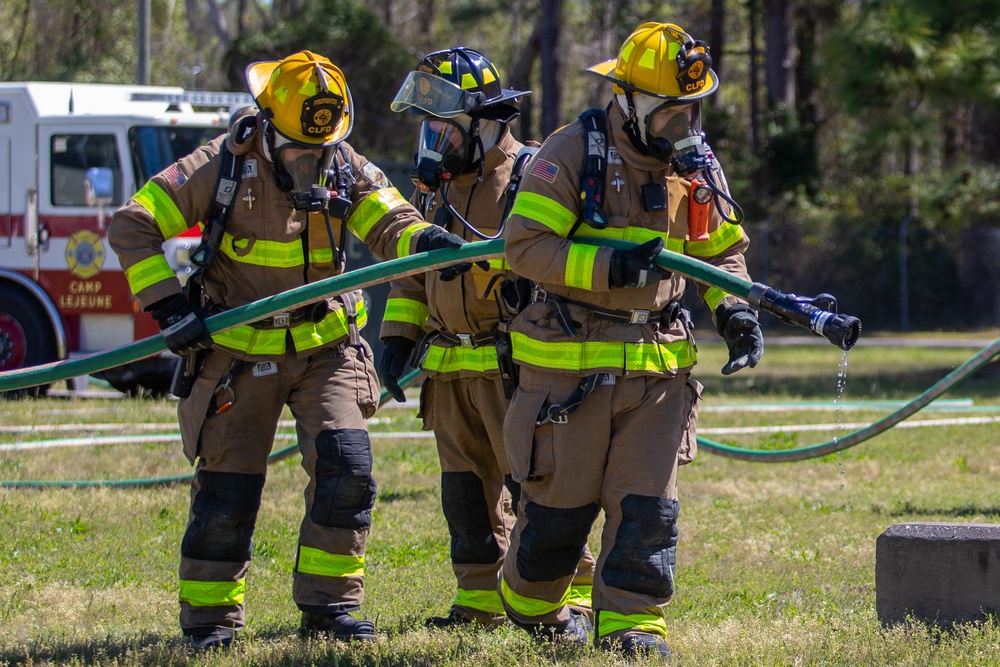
(70, 154)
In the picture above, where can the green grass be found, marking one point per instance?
(776, 562)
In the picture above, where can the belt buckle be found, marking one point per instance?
(466, 339)
(639, 317)
(281, 319)
(539, 295)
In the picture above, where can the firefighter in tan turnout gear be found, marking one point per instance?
(278, 193)
(606, 404)
(466, 156)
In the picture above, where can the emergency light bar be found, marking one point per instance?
(198, 98)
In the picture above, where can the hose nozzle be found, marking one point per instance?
(818, 314)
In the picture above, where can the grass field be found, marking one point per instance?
(776, 562)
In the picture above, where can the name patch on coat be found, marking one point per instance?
(613, 156)
(250, 169)
(262, 368)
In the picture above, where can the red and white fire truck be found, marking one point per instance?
(70, 154)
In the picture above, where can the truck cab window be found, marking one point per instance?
(72, 156)
(156, 148)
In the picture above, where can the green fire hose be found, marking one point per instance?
(816, 314)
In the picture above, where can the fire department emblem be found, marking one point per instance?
(85, 254)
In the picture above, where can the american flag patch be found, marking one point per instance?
(174, 176)
(545, 170)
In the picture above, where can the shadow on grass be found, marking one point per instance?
(908, 509)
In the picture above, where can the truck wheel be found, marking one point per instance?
(26, 337)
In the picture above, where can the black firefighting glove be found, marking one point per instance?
(183, 329)
(739, 328)
(636, 267)
(435, 238)
(395, 354)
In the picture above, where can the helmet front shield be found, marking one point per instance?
(433, 95)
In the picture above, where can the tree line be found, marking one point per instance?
(861, 136)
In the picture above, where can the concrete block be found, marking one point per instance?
(940, 573)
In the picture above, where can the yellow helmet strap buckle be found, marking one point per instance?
(321, 114)
(693, 63)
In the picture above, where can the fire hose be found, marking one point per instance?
(815, 314)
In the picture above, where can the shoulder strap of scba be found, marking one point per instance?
(227, 184)
(595, 170)
(516, 172)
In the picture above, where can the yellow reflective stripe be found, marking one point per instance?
(529, 606)
(148, 272)
(713, 297)
(333, 327)
(168, 217)
(324, 564)
(403, 246)
(305, 336)
(488, 601)
(321, 256)
(609, 621)
(581, 596)
(725, 236)
(579, 270)
(372, 209)
(453, 359)
(633, 235)
(589, 355)
(252, 341)
(498, 264)
(274, 254)
(408, 311)
(212, 593)
(547, 211)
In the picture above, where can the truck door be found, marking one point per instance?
(6, 231)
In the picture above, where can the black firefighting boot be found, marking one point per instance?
(574, 631)
(343, 627)
(452, 620)
(207, 639)
(633, 644)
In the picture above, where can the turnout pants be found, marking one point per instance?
(330, 393)
(466, 415)
(618, 452)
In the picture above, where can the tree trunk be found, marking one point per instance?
(717, 44)
(551, 15)
(520, 79)
(754, 81)
(778, 40)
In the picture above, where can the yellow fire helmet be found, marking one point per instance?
(305, 98)
(662, 60)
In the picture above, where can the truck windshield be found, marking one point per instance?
(156, 148)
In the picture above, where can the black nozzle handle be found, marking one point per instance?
(841, 330)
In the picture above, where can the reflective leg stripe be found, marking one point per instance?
(488, 601)
(581, 596)
(526, 606)
(609, 621)
(212, 593)
(319, 562)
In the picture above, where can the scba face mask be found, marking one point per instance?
(671, 131)
(303, 171)
(445, 149)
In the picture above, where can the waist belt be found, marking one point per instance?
(314, 312)
(667, 314)
(468, 340)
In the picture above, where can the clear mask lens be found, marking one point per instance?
(443, 151)
(680, 124)
(306, 166)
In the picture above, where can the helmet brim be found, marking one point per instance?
(606, 70)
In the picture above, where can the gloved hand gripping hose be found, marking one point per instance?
(818, 314)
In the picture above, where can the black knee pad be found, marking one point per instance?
(225, 513)
(468, 516)
(552, 541)
(514, 489)
(643, 558)
(345, 488)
